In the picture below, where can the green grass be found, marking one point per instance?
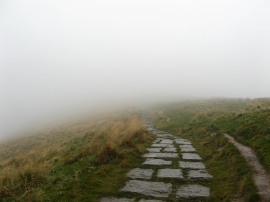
(204, 122)
(77, 163)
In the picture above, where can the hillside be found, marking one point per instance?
(89, 160)
(81, 162)
(205, 121)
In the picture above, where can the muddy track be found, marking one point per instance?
(260, 176)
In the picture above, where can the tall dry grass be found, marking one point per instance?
(25, 163)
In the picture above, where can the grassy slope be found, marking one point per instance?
(203, 121)
(79, 163)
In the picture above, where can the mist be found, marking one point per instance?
(60, 59)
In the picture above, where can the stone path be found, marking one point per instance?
(172, 171)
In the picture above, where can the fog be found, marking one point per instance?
(61, 58)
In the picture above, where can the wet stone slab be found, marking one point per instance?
(116, 200)
(166, 141)
(161, 155)
(191, 156)
(187, 148)
(192, 191)
(156, 189)
(182, 141)
(157, 162)
(199, 174)
(191, 165)
(169, 149)
(156, 141)
(154, 149)
(170, 146)
(164, 135)
(170, 173)
(159, 145)
(138, 173)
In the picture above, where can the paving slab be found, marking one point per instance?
(156, 149)
(199, 174)
(191, 165)
(166, 141)
(191, 156)
(157, 162)
(138, 173)
(169, 149)
(192, 191)
(164, 135)
(161, 155)
(156, 189)
(187, 148)
(182, 141)
(116, 200)
(170, 146)
(170, 173)
(159, 145)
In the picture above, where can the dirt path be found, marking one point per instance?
(260, 176)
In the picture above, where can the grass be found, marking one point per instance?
(89, 160)
(82, 162)
(205, 121)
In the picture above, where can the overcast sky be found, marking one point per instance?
(60, 56)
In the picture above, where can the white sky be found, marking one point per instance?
(59, 56)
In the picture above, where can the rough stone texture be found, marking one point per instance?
(191, 156)
(138, 173)
(192, 191)
(191, 165)
(161, 155)
(144, 200)
(159, 145)
(182, 141)
(164, 135)
(166, 141)
(199, 174)
(116, 200)
(156, 189)
(154, 149)
(170, 173)
(169, 149)
(187, 148)
(157, 162)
